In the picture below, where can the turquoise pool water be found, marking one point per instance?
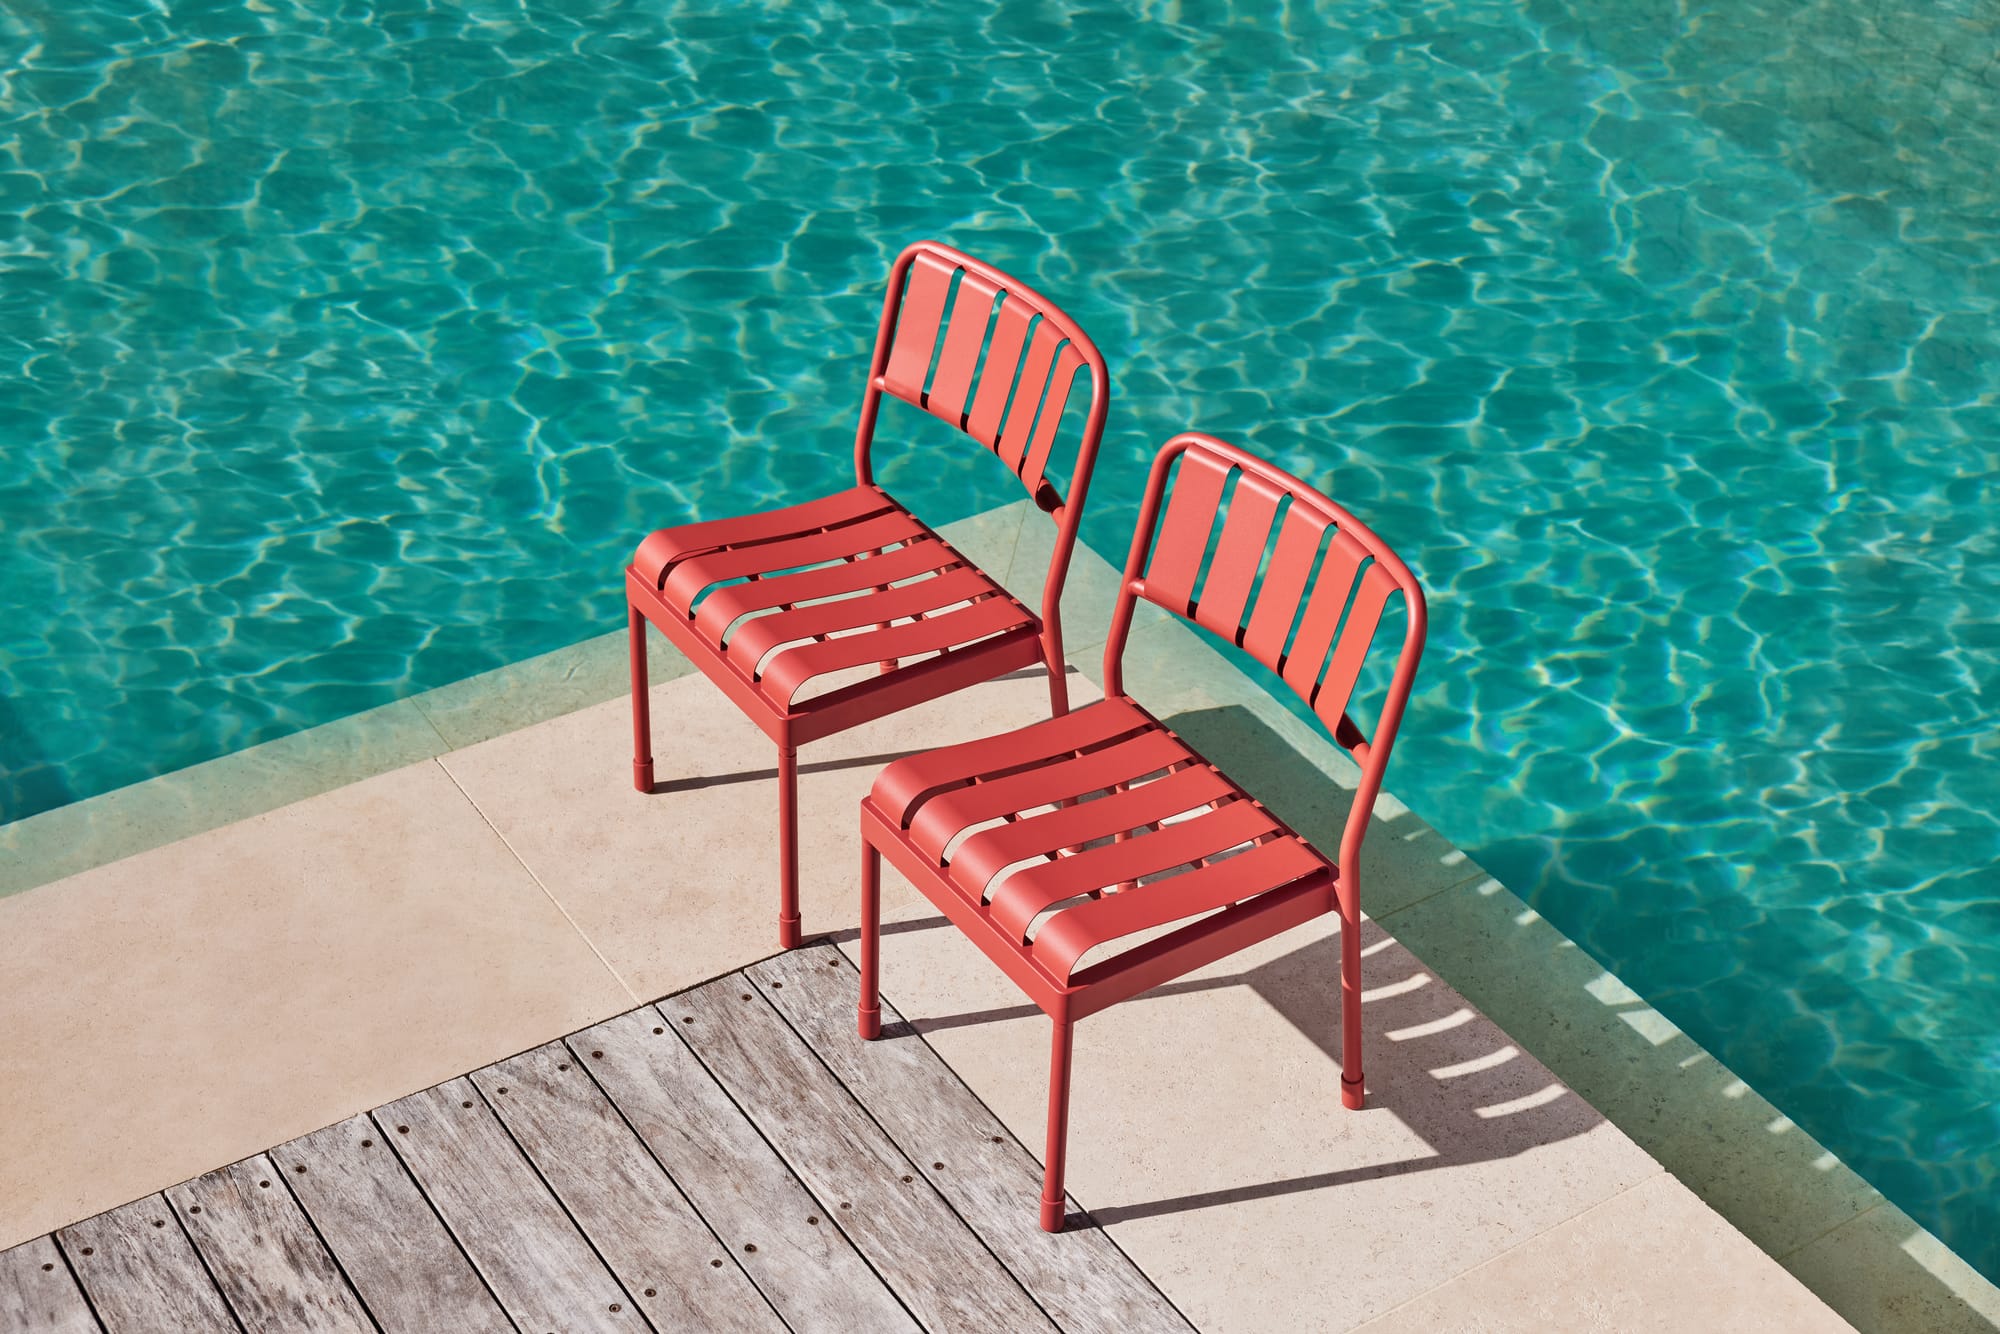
(346, 348)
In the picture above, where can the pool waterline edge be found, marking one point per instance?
(1857, 1251)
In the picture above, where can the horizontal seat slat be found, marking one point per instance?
(662, 549)
(982, 856)
(1074, 932)
(1029, 893)
(688, 578)
(900, 786)
(1064, 776)
(725, 606)
(793, 667)
(761, 634)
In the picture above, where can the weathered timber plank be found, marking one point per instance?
(397, 1254)
(142, 1273)
(508, 1224)
(806, 1267)
(264, 1254)
(926, 1254)
(631, 1211)
(37, 1295)
(1080, 1277)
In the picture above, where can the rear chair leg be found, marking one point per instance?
(1353, 1092)
(1053, 1207)
(642, 722)
(788, 847)
(871, 941)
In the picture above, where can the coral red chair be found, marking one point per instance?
(1121, 835)
(770, 604)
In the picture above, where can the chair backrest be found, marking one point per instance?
(997, 360)
(1285, 574)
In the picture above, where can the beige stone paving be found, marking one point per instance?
(1886, 1273)
(680, 885)
(1208, 1135)
(1747, 1159)
(178, 1010)
(1652, 1258)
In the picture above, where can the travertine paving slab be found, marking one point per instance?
(1207, 1133)
(262, 980)
(1654, 1258)
(236, 786)
(681, 885)
(1886, 1273)
(1763, 1173)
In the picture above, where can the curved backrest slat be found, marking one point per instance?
(996, 380)
(1239, 555)
(916, 333)
(994, 358)
(990, 356)
(1332, 591)
(1291, 578)
(971, 313)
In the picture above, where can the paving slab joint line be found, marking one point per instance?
(540, 884)
(1822, 1235)
(1401, 908)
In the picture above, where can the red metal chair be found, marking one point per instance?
(767, 603)
(1126, 834)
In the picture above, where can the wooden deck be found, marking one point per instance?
(732, 1158)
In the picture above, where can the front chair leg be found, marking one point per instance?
(871, 941)
(1053, 1206)
(788, 848)
(642, 722)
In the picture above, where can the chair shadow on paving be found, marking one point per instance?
(1452, 1078)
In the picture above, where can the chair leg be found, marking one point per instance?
(788, 847)
(1353, 1092)
(871, 941)
(642, 722)
(1053, 1205)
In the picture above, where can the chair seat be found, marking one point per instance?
(1110, 824)
(790, 595)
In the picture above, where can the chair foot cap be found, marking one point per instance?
(871, 1023)
(788, 933)
(1352, 1096)
(642, 775)
(1052, 1216)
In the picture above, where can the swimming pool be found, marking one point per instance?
(346, 352)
